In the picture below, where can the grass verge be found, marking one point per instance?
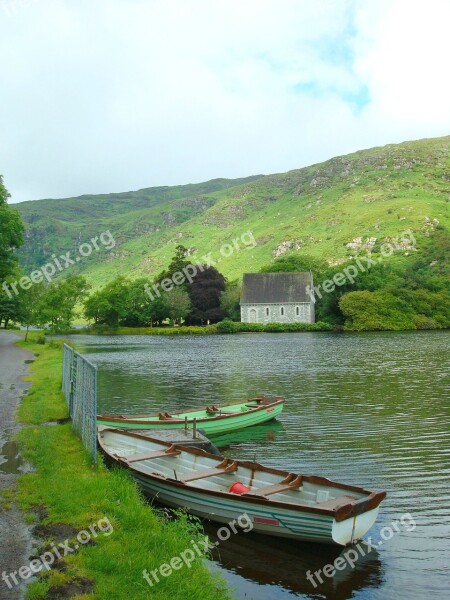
(78, 494)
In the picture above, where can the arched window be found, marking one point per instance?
(267, 311)
(297, 311)
(282, 311)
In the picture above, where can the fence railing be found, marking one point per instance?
(79, 385)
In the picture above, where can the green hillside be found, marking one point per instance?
(318, 210)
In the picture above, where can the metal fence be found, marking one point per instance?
(79, 386)
(67, 374)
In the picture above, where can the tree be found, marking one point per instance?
(230, 301)
(96, 307)
(298, 263)
(431, 268)
(110, 304)
(177, 264)
(11, 234)
(9, 308)
(139, 306)
(31, 306)
(372, 311)
(178, 304)
(60, 300)
(432, 309)
(158, 311)
(205, 291)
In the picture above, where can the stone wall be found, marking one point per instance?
(302, 312)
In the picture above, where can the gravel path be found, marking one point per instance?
(15, 537)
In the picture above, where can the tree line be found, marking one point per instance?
(201, 300)
(399, 293)
(205, 298)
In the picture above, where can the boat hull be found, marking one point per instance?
(284, 523)
(211, 426)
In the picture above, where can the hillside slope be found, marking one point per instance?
(319, 210)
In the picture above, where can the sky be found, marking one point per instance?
(101, 96)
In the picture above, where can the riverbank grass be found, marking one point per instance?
(67, 489)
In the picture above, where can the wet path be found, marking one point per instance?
(14, 534)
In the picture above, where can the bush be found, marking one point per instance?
(424, 322)
(226, 327)
(376, 311)
(233, 327)
(56, 344)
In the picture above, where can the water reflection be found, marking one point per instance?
(246, 556)
(264, 434)
(10, 459)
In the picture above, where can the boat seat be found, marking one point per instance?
(291, 482)
(335, 502)
(171, 451)
(212, 410)
(220, 469)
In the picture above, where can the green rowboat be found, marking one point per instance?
(213, 420)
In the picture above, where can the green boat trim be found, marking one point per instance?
(214, 420)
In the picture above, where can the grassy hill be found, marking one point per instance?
(376, 193)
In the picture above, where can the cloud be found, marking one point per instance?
(114, 95)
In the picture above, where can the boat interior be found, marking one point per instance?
(205, 413)
(196, 470)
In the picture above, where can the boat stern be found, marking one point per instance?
(353, 520)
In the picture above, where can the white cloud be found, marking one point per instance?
(405, 67)
(112, 95)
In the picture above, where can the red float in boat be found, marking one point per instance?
(238, 488)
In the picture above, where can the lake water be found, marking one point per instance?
(370, 409)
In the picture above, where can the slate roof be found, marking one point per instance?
(270, 288)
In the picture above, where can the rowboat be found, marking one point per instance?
(278, 503)
(214, 420)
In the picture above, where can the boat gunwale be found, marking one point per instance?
(339, 513)
(121, 419)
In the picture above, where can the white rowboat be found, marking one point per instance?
(279, 503)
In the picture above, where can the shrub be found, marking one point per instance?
(226, 327)
(233, 327)
(424, 322)
(375, 311)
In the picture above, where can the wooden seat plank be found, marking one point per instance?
(283, 486)
(335, 502)
(220, 469)
(148, 455)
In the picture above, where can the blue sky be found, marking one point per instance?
(356, 99)
(112, 95)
